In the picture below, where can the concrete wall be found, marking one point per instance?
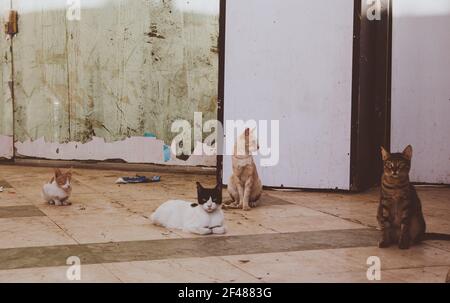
(421, 86)
(6, 105)
(127, 69)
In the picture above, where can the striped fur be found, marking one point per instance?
(400, 215)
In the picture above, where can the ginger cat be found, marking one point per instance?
(245, 187)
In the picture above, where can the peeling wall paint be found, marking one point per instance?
(125, 69)
(131, 150)
(6, 147)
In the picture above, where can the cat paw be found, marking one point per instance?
(253, 204)
(51, 202)
(229, 202)
(219, 230)
(383, 244)
(247, 208)
(206, 232)
(201, 231)
(58, 203)
(404, 245)
(231, 206)
(67, 203)
(404, 241)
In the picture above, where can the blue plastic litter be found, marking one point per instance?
(167, 153)
(149, 135)
(138, 180)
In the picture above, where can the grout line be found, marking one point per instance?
(436, 246)
(415, 267)
(337, 216)
(64, 231)
(111, 272)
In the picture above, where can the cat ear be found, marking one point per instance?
(247, 132)
(58, 172)
(408, 152)
(385, 154)
(199, 186)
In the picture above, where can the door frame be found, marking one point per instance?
(221, 93)
(371, 101)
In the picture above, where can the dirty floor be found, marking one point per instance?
(292, 237)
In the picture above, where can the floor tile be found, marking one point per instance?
(195, 270)
(89, 274)
(30, 232)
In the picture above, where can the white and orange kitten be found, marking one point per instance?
(58, 190)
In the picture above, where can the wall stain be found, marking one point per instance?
(121, 83)
(153, 33)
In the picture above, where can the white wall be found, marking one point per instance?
(291, 61)
(421, 86)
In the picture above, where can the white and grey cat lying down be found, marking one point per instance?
(203, 218)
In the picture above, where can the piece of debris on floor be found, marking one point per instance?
(138, 180)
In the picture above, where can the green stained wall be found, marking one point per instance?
(6, 105)
(127, 68)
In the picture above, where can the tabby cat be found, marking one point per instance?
(400, 213)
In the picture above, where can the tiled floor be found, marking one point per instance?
(292, 237)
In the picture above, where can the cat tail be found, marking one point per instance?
(436, 237)
(154, 219)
